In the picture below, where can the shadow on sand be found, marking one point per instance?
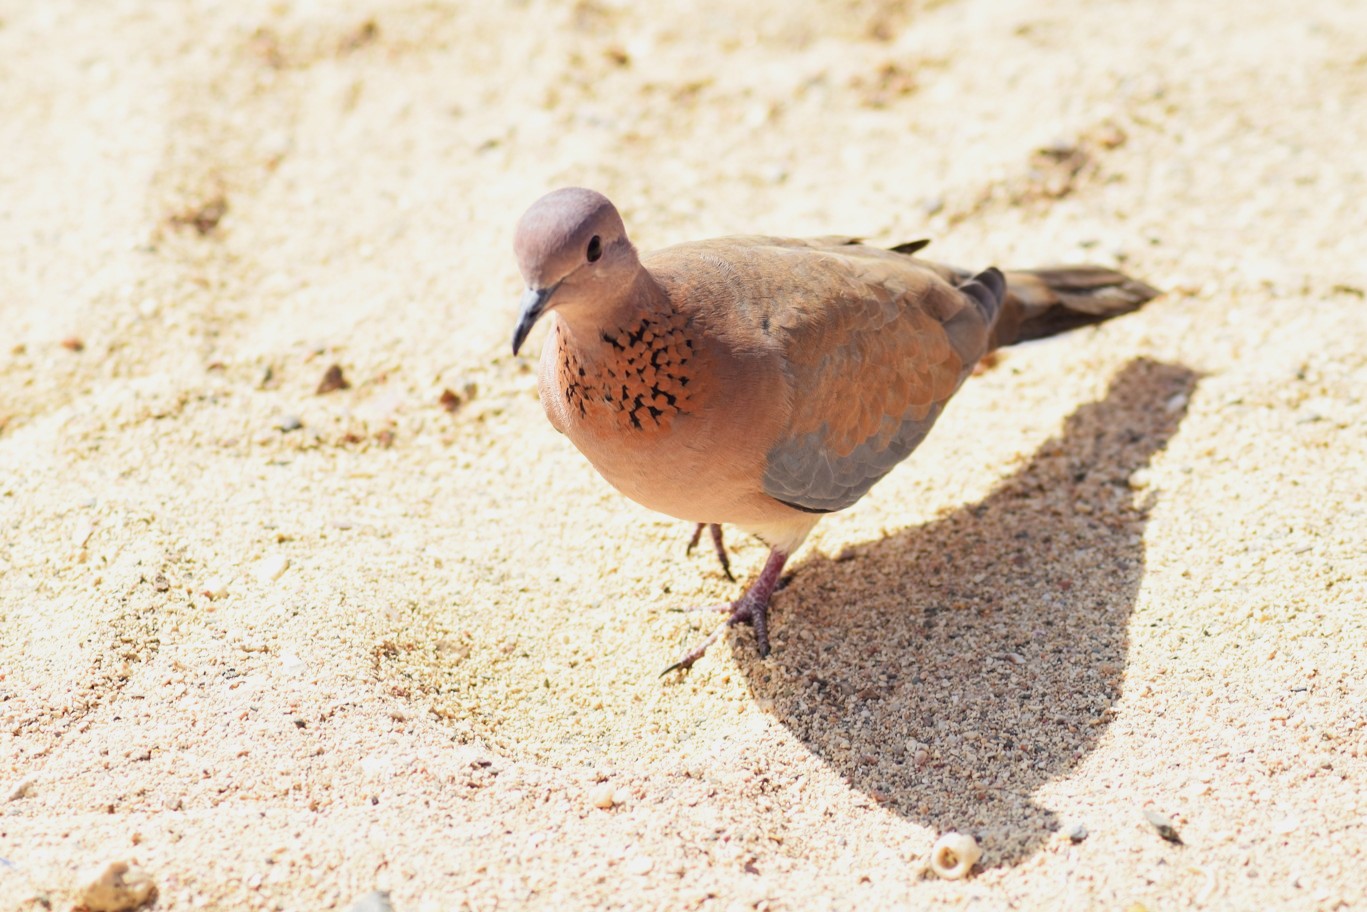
(952, 669)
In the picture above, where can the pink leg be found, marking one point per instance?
(716, 543)
(751, 608)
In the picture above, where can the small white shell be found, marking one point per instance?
(954, 855)
(603, 796)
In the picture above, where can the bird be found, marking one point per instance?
(765, 382)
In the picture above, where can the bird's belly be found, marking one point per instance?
(657, 472)
(680, 471)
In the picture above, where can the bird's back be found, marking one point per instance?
(869, 344)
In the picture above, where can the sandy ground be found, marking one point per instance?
(284, 648)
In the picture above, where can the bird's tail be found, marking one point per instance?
(1046, 302)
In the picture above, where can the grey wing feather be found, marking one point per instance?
(811, 470)
(803, 474)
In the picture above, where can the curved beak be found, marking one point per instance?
(533, 306)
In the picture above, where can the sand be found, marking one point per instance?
(282, 648)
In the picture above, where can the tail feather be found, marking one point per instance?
(1046, 302)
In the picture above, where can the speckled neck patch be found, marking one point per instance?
(637, 377)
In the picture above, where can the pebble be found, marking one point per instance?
(450, 400)
(1141, 479)
(270, 569)
(289, 423)
(1191, 286)
(1078, 833)
(1321, 407)
(1285, 826)
(603, 795)
(1163, 825)
(453, 400)
(215, 587)
(80, 536)
(277, 145)
(333, 380)
(19, 789)
(120, 887)
(773, 173)
(374, 901)
(954, 855)
(374, 767)
(639, 865)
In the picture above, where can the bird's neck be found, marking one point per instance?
(586, 322)
(625, 364)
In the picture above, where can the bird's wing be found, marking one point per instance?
(873, 342)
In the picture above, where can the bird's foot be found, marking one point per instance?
(751, 608)
(715, 528)
(743, 610)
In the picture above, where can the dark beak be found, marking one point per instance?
(533, 306)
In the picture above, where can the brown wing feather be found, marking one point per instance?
(872, 342)
(873, 358)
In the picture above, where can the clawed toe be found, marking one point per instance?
(686, 662)
(744, 610)
(709, 609)
(751, 608)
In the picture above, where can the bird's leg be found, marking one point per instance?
(716, 543)
(721, 551)
(751, 608)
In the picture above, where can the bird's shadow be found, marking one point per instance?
(951, 670)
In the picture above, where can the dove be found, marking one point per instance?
(765, 382)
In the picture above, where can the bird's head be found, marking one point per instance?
(572, 249)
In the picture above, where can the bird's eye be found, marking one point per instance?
(595, 249)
